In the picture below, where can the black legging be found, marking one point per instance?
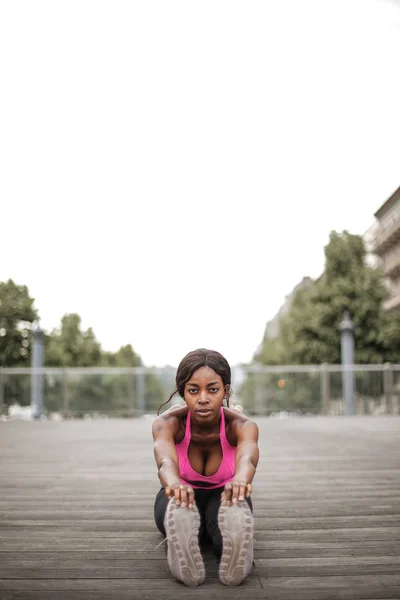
(208, 503)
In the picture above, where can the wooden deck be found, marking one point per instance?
(76, 512)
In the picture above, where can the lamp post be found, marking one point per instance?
(347, 352)
(37, 375)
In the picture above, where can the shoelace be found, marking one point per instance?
(162, 542)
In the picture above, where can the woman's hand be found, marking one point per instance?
(236, 491)
(183, 494)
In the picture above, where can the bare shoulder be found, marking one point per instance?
(235, 416)
(239, 426)
(170, 421)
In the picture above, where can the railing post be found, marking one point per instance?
(388, 387)
(37, 374)
(347, 351)
(258, 404)
(140, 390)
(131, 391)
(2, 405)
(325, 396)
(65, 393)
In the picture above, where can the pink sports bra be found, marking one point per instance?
(226, 469)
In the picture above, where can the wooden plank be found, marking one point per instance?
(79, 531)
(73, 560)
(333, 582)
(269, 504)
(158, 569)
(156, 584)
(128, 529)
(262, 540)
(27, 519)
(273, 550)
(283, 584)
(69, 499)
(126, 520)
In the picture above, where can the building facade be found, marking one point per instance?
(386, 245)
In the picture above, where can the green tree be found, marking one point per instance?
(70, 346)
(17, 314)
(124, 357)
(271, 352)
(309, 333)
(390, 335)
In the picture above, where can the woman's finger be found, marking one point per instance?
(190, 497)
(228, 493)
(249, 490)
(169, 491)
(184, 495)
(177, 494)
(242, 491)
(235, 492)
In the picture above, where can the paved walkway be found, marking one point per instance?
(76, 512)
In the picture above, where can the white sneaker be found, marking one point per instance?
(184, 557)
(236, 524)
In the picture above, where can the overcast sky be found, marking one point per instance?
(171, 170)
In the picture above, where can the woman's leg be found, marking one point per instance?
(161, 503)
(160, 507)
(236, 524)
(181, 528)
(211, 519)
(201, 499)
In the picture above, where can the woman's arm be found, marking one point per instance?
(165, 452)
(164, 430)
(246, 460)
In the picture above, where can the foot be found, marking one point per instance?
(184, 557)
(236, 524)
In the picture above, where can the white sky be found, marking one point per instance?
(171, 170)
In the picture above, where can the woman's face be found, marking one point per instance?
(204, 393)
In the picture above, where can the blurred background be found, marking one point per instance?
(345, 324)
(175, 176)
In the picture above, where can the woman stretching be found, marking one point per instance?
(206, 457)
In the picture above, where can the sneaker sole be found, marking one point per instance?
(182, 527)
(236, 524)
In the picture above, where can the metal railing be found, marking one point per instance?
(318, 389)
(132, 392)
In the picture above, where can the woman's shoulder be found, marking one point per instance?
(235, 420)
(174, 417)
(175, 411)
(235, 415)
